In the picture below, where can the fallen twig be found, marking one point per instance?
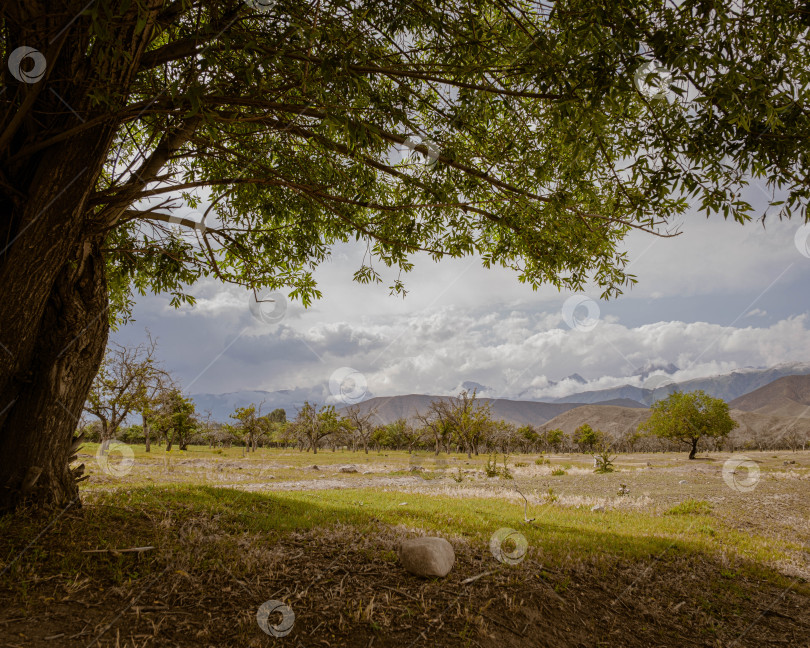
(472, 579)
(117, 551)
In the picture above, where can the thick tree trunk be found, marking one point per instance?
(53, 291)
(44, 397)
(693, 451)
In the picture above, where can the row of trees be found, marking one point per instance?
(131, 382)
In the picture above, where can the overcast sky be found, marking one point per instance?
(719, 297)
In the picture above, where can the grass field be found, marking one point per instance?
(689, 554)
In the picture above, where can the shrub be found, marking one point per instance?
(492, 470)
(603, 461)
(558, 471)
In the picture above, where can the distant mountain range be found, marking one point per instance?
(391, 408)
(788, 396)
(731, 387)
(727, 386)
(774, 410)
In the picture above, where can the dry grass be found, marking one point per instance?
(323, 542)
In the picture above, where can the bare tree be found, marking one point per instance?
(468, 418)
(121, 386)
(312, 425)
(250, 425)
(437, 423)
(361, 424)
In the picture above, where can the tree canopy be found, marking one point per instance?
(688, 417)
(544, 143)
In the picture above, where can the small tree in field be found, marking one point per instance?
(586, 437)
(688, 417)
(176, 419)
(312, 424)
(249, 425)
(555, 438)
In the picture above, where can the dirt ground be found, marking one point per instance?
(346, 588)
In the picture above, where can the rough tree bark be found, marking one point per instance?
(54, 319)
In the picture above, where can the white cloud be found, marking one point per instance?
(519, 354)
(462, 322)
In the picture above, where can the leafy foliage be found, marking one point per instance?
(311, 124)
(687, 417)
(586, 437)
(604, 461)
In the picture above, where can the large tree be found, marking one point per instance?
(542, 144)
(688, 417)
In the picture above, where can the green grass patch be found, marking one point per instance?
(690, 507)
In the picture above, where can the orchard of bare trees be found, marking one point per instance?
(132, 384)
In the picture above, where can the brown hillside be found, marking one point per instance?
(616, 421)
(788, 396)
(391, 408)
(755, 429)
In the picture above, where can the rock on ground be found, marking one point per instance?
(427, 556)
(348, 469)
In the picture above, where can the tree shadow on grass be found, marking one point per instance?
(220, 553)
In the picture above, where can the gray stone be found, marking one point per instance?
(348, 469)
(427, 556)
(597, 508)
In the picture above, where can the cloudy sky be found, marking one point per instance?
(720, 296)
